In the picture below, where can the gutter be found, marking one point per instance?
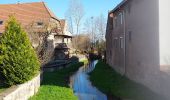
(118, 6)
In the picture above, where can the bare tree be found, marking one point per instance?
(39, 37)
(70, 22)
(96, 26)
(100, 22)
(74, 15)
(84, 42)
(76, 12)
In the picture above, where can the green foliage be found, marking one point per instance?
(55, 85)
(113, 84)
(18, 60)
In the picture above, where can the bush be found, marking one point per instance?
(18, 60)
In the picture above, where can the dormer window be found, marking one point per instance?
(1, 22)
(39, 23)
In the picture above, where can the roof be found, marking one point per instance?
(118, 6)
(25, 13)
(62, 22)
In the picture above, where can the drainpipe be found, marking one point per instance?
(124, 23)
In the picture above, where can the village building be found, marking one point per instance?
(36, 17)
(63, 42)
(137, 41)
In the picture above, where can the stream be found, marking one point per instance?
(82, 86)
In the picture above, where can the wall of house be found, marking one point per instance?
(58, 39)
(141, 43)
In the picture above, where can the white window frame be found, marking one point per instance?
(121, 18)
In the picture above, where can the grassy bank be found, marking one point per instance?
(55, 85)
(2, 87)
(115, 85)
(85, 61)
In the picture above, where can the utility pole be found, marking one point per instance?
(92, 32)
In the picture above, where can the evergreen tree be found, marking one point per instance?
(18, 60)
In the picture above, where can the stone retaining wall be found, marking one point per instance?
(23, 91)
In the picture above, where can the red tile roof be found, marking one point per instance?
(26, 13)
(62, 22)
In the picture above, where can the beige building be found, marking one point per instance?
(137, 42)
(36, 18)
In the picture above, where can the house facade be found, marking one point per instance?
(137, 40)
(36, 18)
(63, 42)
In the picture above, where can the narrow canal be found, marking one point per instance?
(82, 86)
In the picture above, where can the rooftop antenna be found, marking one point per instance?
(18, 2)
(42, 0)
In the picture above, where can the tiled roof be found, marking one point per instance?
(26, 13)
(62, 23)
(119, 5)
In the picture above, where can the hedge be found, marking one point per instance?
(18, 60)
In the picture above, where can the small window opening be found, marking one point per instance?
(115, 42)
(39, 23)
(130, 36)
(121, 43)
(1, 22)
(121, 17)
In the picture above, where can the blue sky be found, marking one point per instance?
(59, 7)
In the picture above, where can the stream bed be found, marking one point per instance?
(82, 86)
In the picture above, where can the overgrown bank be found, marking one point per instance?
(55, 85)
(117, 86)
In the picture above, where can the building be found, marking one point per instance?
(137, 39)
(63, 42)
(37, 18)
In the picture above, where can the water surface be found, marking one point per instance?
(82, 86)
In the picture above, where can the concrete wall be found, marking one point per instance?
(23, 91)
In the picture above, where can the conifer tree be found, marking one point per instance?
(18, 60)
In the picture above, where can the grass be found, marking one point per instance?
(115, 85)
(55, 85)
(85, 61)
(1, 89)
(2, 86)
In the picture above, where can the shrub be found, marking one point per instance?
(18, 60)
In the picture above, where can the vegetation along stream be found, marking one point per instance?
(82, 86)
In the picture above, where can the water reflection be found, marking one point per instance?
(82, 86)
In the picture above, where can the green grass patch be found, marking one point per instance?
(2, 86)
(1, 89)
(55, 85)
(85, 61)
(112, 83)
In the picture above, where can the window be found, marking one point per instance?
(115, 22)
(1, 22)
(121, 43)
(115, 42)
(121, 17)
(130, 36)
(111, 23)
(39, 23)
(129, 8)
